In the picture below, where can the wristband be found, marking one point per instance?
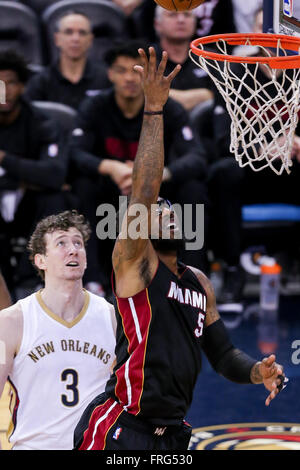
(153, 113)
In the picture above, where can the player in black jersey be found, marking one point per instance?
(166, 313)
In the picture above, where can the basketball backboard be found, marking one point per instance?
(282, 17)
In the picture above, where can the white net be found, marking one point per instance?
(264, 113)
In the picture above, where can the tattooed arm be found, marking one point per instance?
(148, 167)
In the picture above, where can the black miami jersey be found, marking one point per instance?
(158, 349)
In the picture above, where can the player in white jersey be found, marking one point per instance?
(59, 342)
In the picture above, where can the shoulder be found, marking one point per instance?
(102, 305)
(11, 320)
(12, 313)
(204, 281)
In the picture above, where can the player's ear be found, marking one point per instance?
(39, 261)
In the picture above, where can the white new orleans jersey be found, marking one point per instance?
(58, 370)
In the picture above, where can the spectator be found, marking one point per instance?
(215, 17)
(231, 186)
(175, 30)
(32, 165)
(73, 76)
(104, 145)
(244, 14)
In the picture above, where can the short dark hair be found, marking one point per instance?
(11, 60)
(69, 13)
(124, 49)
(62, 221)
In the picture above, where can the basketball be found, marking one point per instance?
(179, 5)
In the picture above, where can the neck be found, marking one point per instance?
(10, 117)
(65, 299)
(177, 49)
(170, 260)
(130, 107)
(72, 69)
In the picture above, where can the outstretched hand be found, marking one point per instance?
(156, 86)
(273, 377)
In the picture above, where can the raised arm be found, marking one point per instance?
(149, 161)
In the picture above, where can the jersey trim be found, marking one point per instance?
(136, 315)
(59, 319)
(13, 406)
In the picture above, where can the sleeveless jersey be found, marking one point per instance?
(60, 367)
(159, 347)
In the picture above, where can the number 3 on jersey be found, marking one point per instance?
(65, 376)
(199, 331)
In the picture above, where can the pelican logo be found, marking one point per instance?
(247, 436)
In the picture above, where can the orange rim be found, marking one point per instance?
(291, 43)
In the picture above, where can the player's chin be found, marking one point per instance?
(74, 274)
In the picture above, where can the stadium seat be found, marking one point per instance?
(38, 6)
(108, 23)
(20, 30)
(64, 116)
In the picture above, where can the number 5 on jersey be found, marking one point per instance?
(199, 331)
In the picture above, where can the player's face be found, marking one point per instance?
(126, 81)
(74, 37)
(65, 257)
(176, 25)
(166, 224)
(13, 90)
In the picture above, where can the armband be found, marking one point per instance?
(153, 113)
(228, 361)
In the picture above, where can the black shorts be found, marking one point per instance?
(105, 425)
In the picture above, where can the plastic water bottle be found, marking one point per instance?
(269, 304)
(216, 277)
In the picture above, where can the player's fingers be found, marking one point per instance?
(140, 70)
(152, 61)
(271, 396)
(144, 59)
(174, 72)
(162, 65)
(269, 361)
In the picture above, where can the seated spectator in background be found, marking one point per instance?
(176, 30)
(104, 146)
(73, 76)
(32, 165)
(244, 14)
(215, 17)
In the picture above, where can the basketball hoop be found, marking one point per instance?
(262, 124)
